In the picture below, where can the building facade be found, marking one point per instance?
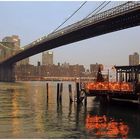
(134, 59)
(27, 72)
(94, 69)
(24, 62)
(47, 58)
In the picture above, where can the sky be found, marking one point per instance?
(34, 19)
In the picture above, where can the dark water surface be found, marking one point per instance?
(25, 112)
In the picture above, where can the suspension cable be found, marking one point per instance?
(102, 7)
(70, 16)
(94, 10)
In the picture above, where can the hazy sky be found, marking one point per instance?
(31, 20)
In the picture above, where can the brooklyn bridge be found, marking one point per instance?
(121, 17)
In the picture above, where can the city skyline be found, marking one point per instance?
(117, 45)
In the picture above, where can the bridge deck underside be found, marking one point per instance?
(110, 25)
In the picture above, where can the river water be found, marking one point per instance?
(25, 112)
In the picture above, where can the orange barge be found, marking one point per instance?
(109, 86)
(109, 90)
(127, 85)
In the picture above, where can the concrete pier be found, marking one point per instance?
(7, 73)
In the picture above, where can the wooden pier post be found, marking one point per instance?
(61, 90)
(58, 92)
(78, 92)
(47, 92)
(47, 89)
(85, 101)
(70, 93)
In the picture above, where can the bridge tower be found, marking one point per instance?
(7, 73)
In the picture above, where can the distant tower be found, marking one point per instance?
(47, 58)
(130, 60)
(134, 59)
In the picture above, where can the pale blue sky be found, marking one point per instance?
(31, 20)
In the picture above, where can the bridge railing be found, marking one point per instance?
(123, 8)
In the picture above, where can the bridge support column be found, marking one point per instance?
(7, 73)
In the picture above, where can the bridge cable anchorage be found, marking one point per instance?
(70, 16)
(94, 10)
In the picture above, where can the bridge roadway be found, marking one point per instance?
(118, 18)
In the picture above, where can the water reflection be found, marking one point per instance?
(117, 120)
(26, 112)
(15, 113)
(106, 127)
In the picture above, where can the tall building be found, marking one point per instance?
(134, 59)
(130, 60)
(47, 58)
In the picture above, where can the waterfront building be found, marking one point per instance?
(77, 70)
(65, 65)
(29, 71)
(24, 62)
(94, 69)
(134, 59)
(47, 58)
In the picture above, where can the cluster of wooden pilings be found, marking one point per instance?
(76, 98)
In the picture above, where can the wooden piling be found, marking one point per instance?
(78, 92)
(85, 101)
(61, 90)
(70, 93)
(58, 92)
(47, 92)
(47, 89)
